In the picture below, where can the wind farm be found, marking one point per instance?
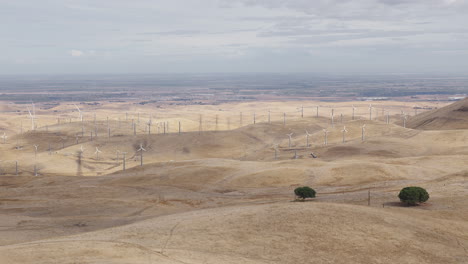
(140, 194)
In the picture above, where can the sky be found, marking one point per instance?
(193, 36)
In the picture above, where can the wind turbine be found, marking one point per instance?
(35, 151)
(363, 129)
(35, 156)
(32, 116)
(97, 153)
(344, 133)
(354, 109)
(141, 149)
(326, 136)
(388, 117)
(79, 112)
(333, 117)
(307, 138)
(370, 112)
(405, 117)
(149, 126)
(275, 146)
(4, 137)
(289, 135)
(124, 155)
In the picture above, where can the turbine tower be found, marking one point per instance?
(275, 146)
(97, 153)
(32, 116)
(344, 131)
(35, 151)
(79, 112)
(141, 149)
(354, 109)
(4, 137)
(370, 112)
(289, 136)
(124, 154)
(326, 137)
(307, 138)
(363, 129)
(35, 156)
(333, 117)
(149, 126)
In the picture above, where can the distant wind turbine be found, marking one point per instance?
(32, 116)
(79, 112)
(289, 136)
(363, 129)
(354, 109)
(141, 149)
(326, 136)
(97, 153)
(307, 138)
(344, 131)
(4, 137)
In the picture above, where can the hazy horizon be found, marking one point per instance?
(239, 36)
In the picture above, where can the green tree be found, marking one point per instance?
(304, 192)
(413, 195)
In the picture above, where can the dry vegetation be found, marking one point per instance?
(216, 194)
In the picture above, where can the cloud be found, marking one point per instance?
(76, 53)
(243, 35)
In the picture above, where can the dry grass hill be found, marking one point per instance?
(454, 116)
(222, 197)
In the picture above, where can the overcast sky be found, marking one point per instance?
(153, 36)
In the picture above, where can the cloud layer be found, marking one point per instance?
(333, 36)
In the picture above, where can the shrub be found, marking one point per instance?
(413, 195)
(304, 192)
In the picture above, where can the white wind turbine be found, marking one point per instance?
(344, 131)
(79, 112)
(289, 136)
(326, 136)
(388, 117)
(307, 138)
(4, 137)
(363, 129)
(405, 117)
(35, 151)
(275, 146)
(32, 116)
(354, 109)
(141, 149)
(370, 112)
(333, 117)
(35, 156)
(150, 122)
(97, 153)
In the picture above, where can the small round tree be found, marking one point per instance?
(304, 192)
(413, 195)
